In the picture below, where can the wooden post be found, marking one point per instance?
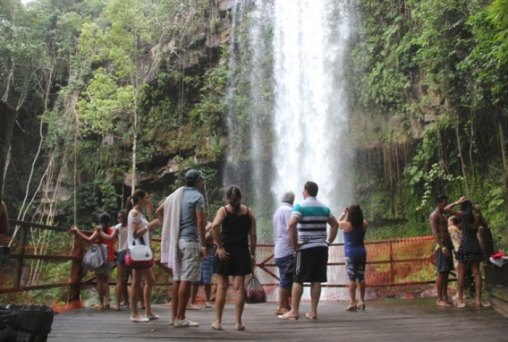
(392, 271)
(19, 270)
(76, 273)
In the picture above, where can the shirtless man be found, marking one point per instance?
(444, 247)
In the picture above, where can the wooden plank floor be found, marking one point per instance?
(387, 320)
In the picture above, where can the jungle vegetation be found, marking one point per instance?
(118, 92)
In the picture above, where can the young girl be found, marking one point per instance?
(139, 228)
(101, 236)
(120, 232)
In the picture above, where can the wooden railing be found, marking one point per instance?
(390, 262)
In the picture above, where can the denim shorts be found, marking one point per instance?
(355, 267)
(120, 257)
(207, 269)
(286, 279)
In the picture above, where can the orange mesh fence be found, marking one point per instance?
(400, 266)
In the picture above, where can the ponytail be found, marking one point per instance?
(234, 197)
(134, 199)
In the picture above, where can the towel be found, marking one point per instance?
(171, 228)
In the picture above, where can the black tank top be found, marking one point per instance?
(235, 229)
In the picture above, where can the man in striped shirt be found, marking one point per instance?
(307, 233)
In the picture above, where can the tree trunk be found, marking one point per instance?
(461, 156)
(503, 158)
(7, 118)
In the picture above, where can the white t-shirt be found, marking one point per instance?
(141, 221)
(122, 237)
(280, 231)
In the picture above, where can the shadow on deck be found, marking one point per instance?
(386, 320)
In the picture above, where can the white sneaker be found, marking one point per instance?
(181, 323)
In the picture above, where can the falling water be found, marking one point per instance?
(289, 69)
(311, 107)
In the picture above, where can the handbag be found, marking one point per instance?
(95, 256)
(254, 292)
(139, 255)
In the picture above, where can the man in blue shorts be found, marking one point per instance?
(307, 233)
(283, 251)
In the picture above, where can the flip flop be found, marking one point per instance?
(360, 307)
(153, 317)
(285, 316)
(309, 316)
(139, 320)
(351, 308)
(240, 327)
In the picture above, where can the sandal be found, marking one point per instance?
(216, 326)
(308, 315)
(360, 307)
(240, 327)
(152, 317)
(288, 317)
(139, 319)
(351, 308)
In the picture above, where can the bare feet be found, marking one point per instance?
(208, 305)
(216, 326)
(443, 304)
(483, 304)
(281, 311)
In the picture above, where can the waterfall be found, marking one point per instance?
(311, 107)
(288, 104)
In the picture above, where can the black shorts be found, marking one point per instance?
(444, 263)
(238, 263)
(311, 265)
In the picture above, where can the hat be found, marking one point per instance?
(193, 175)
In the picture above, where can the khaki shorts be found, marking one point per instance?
(188, 261)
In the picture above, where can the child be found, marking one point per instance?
(455, 232)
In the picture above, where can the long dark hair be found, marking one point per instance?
(467, 208)
(134, 199)
(104, 220)
(234, 197)
(355, 216)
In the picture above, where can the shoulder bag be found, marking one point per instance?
(139, 255)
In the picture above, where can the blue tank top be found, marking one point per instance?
(353, 243)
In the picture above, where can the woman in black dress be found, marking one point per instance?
(470, 251)
(233, 226)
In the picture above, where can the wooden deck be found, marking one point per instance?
(387, 320)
